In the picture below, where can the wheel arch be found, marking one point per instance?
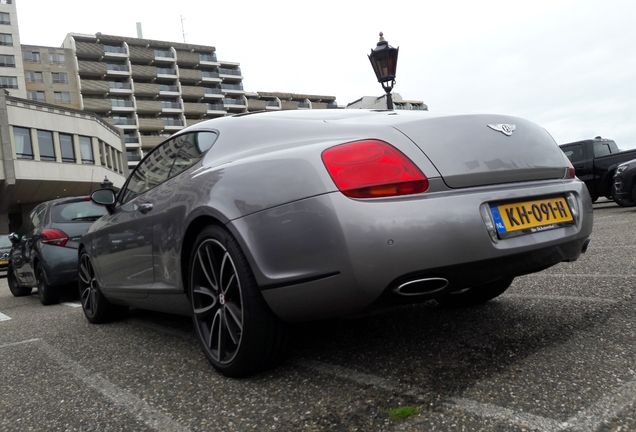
(189, 238)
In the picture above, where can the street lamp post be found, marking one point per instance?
(106, 184)
(384, 61)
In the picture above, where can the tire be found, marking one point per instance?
(623, 202)
(476, 295)
(14, 285)
(96, 308)
(237, 331)
(48, 295)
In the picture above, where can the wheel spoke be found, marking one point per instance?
(235, 313)
(232, 323)
(210, 264)
(86, 295)
(206, 301)
(215, 330)
(84, 273)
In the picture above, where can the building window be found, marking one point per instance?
(45, 144)
(7, 60)
(66, 146)
(59, 77)
(22, 139)
(31, 57)
(34, 77)
(62, 97)
(5, 18)
(57, 58)
(36, 95)
(6, 39)
(8, 82)
(86, 150)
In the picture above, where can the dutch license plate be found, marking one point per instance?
(537, 215)
(4, 262)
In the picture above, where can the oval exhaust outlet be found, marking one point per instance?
(421, 286)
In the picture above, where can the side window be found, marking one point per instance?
(574, 153)
(192, 150)
(601, 149)
(153, 169)
(34, 219)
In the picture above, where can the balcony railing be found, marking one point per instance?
(131, 139)
(125, 122)
(172, 122)
(207, 57)
(120, 85)
(172, 105)
(303, 104)
(166, 54)
(208, 74)
(116, 67)
(232, 86)
(133, 157)
(114, 49)
(226, 71)
(168, 88)
(272, 103)
(216, 107)
(332, 106)
(229, 101)
(121, 103)
(166, 71)
(208, 90)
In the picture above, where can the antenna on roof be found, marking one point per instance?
(182, 28)
(139, 34)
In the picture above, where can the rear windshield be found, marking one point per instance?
(4, 241)
(81, 211)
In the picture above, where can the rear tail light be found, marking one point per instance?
(54, 237)
(570, 172)
(373, 169)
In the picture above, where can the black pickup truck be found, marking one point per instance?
(595, 161)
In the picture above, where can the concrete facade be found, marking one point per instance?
(11, 66)
(48, 152)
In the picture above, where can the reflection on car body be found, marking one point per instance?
(253, 221)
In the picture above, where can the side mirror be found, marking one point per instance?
(14, 238)
(105, 197)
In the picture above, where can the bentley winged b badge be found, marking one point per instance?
(506, 129)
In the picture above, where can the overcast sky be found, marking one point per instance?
(568, 65)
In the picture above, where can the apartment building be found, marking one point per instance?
(373, 102)
(11, 68)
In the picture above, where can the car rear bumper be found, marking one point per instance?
(59, 264)
(331, 256)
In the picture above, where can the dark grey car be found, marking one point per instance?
(251, 221)
(5, 248)
(44, 252)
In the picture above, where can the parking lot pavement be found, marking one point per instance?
(556, 352)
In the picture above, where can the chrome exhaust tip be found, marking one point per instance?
(418, 287)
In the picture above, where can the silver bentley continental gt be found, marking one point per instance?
(250, 222)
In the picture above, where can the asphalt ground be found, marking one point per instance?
(556, 352)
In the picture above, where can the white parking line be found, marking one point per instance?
(590, 419)
(151, 417)
(4, 317)
(75, 305)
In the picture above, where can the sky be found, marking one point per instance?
(568, 65)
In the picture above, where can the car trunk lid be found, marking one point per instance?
(476, 150)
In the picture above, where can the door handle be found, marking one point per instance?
(146, 207)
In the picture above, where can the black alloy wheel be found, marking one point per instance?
(238, 332)
(476, 295)
(48, 295)
(14, 285)
(95, 306)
